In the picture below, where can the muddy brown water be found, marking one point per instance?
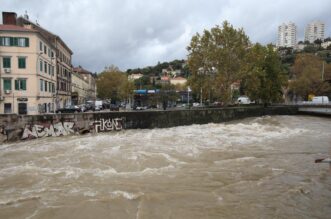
(253, 168)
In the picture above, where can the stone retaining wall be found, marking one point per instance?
(14, 127)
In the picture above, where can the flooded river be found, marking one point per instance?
(253, 168)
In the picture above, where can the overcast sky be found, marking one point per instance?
(139, 33)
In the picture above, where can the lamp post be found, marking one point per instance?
(188, 96)
(209, 73)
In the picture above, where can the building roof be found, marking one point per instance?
(81, 70)
(6, 27)
(46, 33)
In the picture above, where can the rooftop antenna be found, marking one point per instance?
(37, 20)
(26, 16)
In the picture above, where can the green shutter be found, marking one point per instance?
(11, 41)
(7, 84)
(23, 87)
(6, 62)
(21, 62)
(27, 44)
(17, 84)
(1, 40)
(24, 84)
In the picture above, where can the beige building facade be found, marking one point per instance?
(80, 89)
(63, 63)
(90, 79)
(27, 73)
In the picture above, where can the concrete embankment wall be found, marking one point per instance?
(14, 127)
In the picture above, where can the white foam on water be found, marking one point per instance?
(239, 159)
(126, 195)
(90, 193)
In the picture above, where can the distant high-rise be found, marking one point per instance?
(314, 31)
(287, 35)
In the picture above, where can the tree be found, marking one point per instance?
(265, 76)
(216, 60)
(167, 94)
(143, 83)
(309, 79)
(318, 41)
(113, 84)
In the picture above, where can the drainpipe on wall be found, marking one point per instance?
(0, 79)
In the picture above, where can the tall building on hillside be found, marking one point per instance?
(287, 35)
(314, 31)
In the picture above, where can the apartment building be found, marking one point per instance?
(63, 62)
(80, 89)
(287, 35)
(90, 78)
(27, 69)
(314, 31)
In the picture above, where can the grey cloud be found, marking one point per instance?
(137, 33)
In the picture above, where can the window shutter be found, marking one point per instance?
(17, 84)
(23, 84)
(27, 42)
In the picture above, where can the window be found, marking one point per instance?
(14, 41)
(46, 86)
(21, 42)
(6, 62)
(7, 84)
(41, 65)
(45, 49)
(53, 87)
(22, 108)
(41, 46)
(20, 84)
(7, 107)
(41, 85)
(21, 62)
(45, 67)
(50, 86)
(4, 41)
(49, 69)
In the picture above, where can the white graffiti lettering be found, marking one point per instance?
(39, 131)
(105, 125)
(27, 132)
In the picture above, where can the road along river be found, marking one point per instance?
(253, 168)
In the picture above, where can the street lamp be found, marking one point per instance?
(208, 73)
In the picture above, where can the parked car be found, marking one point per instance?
(68, 109)
(243, 100)
(114, 107)
(83, 107)
(320, 100)
(98, 105)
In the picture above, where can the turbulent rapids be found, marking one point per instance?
(253, 168)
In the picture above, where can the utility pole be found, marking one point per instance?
(323, 71)
(201, 96)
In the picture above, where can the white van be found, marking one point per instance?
(320, 100)
(98, 105)
(243, 100)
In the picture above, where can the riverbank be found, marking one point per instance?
(14, 127)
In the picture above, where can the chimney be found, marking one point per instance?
(9, 18)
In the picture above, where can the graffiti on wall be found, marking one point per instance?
(67, 128)
(106, 125)
(39, 131)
